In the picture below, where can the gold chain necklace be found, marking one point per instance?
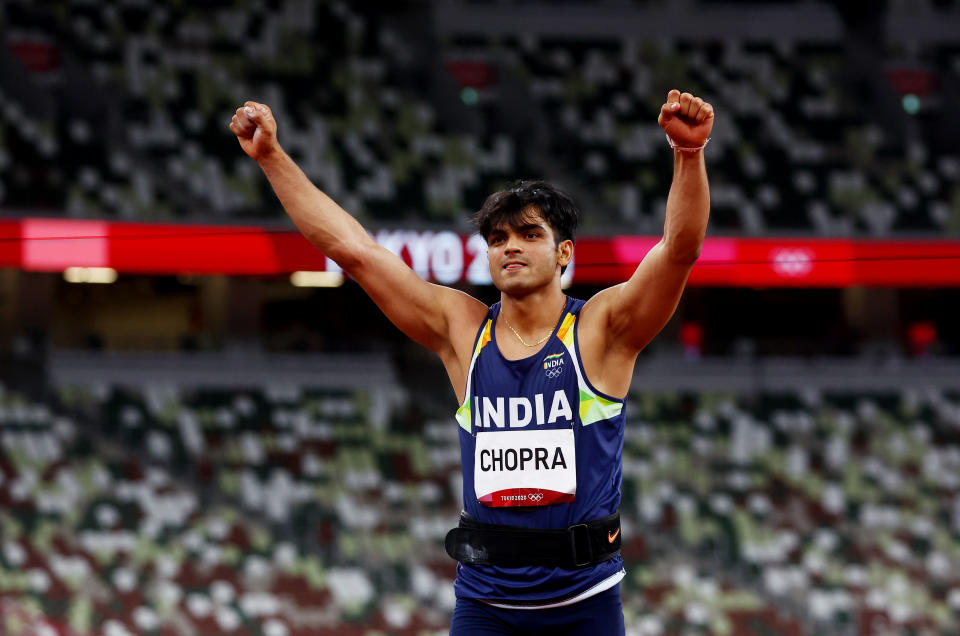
(520, 338)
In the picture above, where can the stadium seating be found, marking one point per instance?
(791, 152)
(798, 512)
(172, 77)
(101, 540)
(842, 504)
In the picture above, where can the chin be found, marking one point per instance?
(515, 287)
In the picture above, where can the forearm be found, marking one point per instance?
(318, 217)
(688, 207)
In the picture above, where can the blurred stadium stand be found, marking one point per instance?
(154, 504)
(138, 95)
(119, 110)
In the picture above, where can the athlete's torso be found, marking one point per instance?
(541, 448)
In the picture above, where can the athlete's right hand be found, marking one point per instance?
(256, 130)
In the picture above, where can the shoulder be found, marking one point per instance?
(606, 361)
(594, 314)
(466, 315)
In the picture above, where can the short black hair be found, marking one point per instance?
(511, 208)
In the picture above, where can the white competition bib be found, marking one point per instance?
(525, 468)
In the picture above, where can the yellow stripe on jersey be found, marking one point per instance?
(465, 412)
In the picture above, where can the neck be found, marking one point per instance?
(534, 312)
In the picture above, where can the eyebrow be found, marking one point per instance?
(522, 228)
(530, 226)
(500, 229)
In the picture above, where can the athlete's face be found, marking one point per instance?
(526, 257)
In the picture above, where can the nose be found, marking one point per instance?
(512, 245)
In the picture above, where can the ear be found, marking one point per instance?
(565, 253)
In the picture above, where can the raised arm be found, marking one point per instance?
(437, 317)
(630, 314)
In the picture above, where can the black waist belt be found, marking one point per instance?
(578, 546)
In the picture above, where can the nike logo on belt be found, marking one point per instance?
(612, 537)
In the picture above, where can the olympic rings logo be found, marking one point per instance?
(792, 262)
(554, 373)
(536, 496)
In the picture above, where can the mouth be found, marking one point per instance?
(513, 266)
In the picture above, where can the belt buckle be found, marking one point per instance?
(580, 544)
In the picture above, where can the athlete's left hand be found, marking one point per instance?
(686, 119)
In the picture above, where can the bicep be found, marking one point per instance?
(432, 315)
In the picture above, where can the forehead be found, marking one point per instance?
(530, 216)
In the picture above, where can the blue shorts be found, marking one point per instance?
(599, 614)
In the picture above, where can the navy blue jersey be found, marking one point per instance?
(540, 448)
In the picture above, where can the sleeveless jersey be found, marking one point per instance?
(540, 448)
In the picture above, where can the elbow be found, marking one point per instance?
(349, 255)
(684, 252)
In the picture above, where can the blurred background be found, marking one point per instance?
(205, 429)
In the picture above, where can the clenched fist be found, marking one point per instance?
(256, 130)
(686, 119)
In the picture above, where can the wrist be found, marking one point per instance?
(686, 149)
(270, 156)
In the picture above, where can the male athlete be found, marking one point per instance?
(541, 378)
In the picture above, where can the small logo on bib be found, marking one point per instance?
(553, 365)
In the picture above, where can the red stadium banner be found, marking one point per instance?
(52, 245)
